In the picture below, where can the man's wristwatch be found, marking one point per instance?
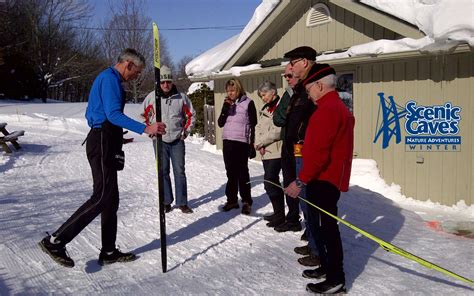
(299, 184)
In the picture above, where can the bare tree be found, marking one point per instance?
(53, 35)
(181, 79)
(43, 37)
(129, 26)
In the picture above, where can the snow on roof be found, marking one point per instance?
(213, 59)
(446, 24)
(440, 20)
(197, 86)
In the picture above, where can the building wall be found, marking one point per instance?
(444, 177)
(345, 30)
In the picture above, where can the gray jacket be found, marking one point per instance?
(177, 113)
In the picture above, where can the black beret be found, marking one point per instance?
(317, 72)
(304, 52)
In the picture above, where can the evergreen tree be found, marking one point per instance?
(200, 97)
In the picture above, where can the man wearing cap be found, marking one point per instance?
(178, 113)
(301, 60)
(294, 125)
(327, 161)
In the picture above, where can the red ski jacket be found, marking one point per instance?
(329, 143)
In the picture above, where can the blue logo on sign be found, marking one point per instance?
(429, 128)
(389, 127)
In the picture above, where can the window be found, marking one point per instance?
(318, 15)
(344, 88)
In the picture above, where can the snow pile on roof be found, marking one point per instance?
(441, 20)
(446, 24)
(213, 59)
(197, 86)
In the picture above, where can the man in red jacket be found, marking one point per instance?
(327, 161)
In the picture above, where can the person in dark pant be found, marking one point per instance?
(297, 115)
(238, 119)
(268, 143)
(299, 110)
(104, 151)
(327, 162)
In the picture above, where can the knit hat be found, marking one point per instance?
(317, 72)
(302, 52)
(165, 74)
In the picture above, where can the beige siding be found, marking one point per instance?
(444, 177)
(345, 30)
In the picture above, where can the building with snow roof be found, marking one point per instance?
(406, 71)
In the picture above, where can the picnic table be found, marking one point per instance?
(9, 138)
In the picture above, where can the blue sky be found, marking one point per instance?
(170, 14)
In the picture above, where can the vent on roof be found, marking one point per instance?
(318, 15)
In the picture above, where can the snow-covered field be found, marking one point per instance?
(209, 252)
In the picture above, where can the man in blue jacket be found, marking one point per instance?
(106, 119)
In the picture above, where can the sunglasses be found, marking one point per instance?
(163, 82)
(293, 62)
(289, 76)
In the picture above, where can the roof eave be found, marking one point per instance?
(341, 61)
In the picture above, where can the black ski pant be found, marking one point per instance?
(288, 166)
(325, 195)
(102, 146)
(272, 168)
(236, 166)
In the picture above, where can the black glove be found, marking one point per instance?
(226, 106)
(252, 152)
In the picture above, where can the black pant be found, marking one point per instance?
(236, 165)
(288, 167)
(272, 168)
(102, 145)
(325, 195)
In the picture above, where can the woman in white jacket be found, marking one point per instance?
(268, 143)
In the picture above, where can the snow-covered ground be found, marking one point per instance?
(210, 252)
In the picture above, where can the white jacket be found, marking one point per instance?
(177, 113)
(267, 135)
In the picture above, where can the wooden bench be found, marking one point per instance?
(9, 137)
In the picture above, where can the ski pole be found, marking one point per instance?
(383, 244)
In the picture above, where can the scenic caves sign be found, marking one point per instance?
(428, 128)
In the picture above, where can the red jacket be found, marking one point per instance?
(328, 144)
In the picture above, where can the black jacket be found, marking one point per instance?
(298, 113)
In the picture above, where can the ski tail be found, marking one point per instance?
(158, 147)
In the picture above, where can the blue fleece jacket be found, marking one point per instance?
(107, 101)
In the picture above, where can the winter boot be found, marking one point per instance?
(317, 273)
(303, 250)
(246, 208)
(186, 209)
(309, 260)
(229, 206)
(287, 226)
(56, 251)
(115, 256)
(326, 287)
